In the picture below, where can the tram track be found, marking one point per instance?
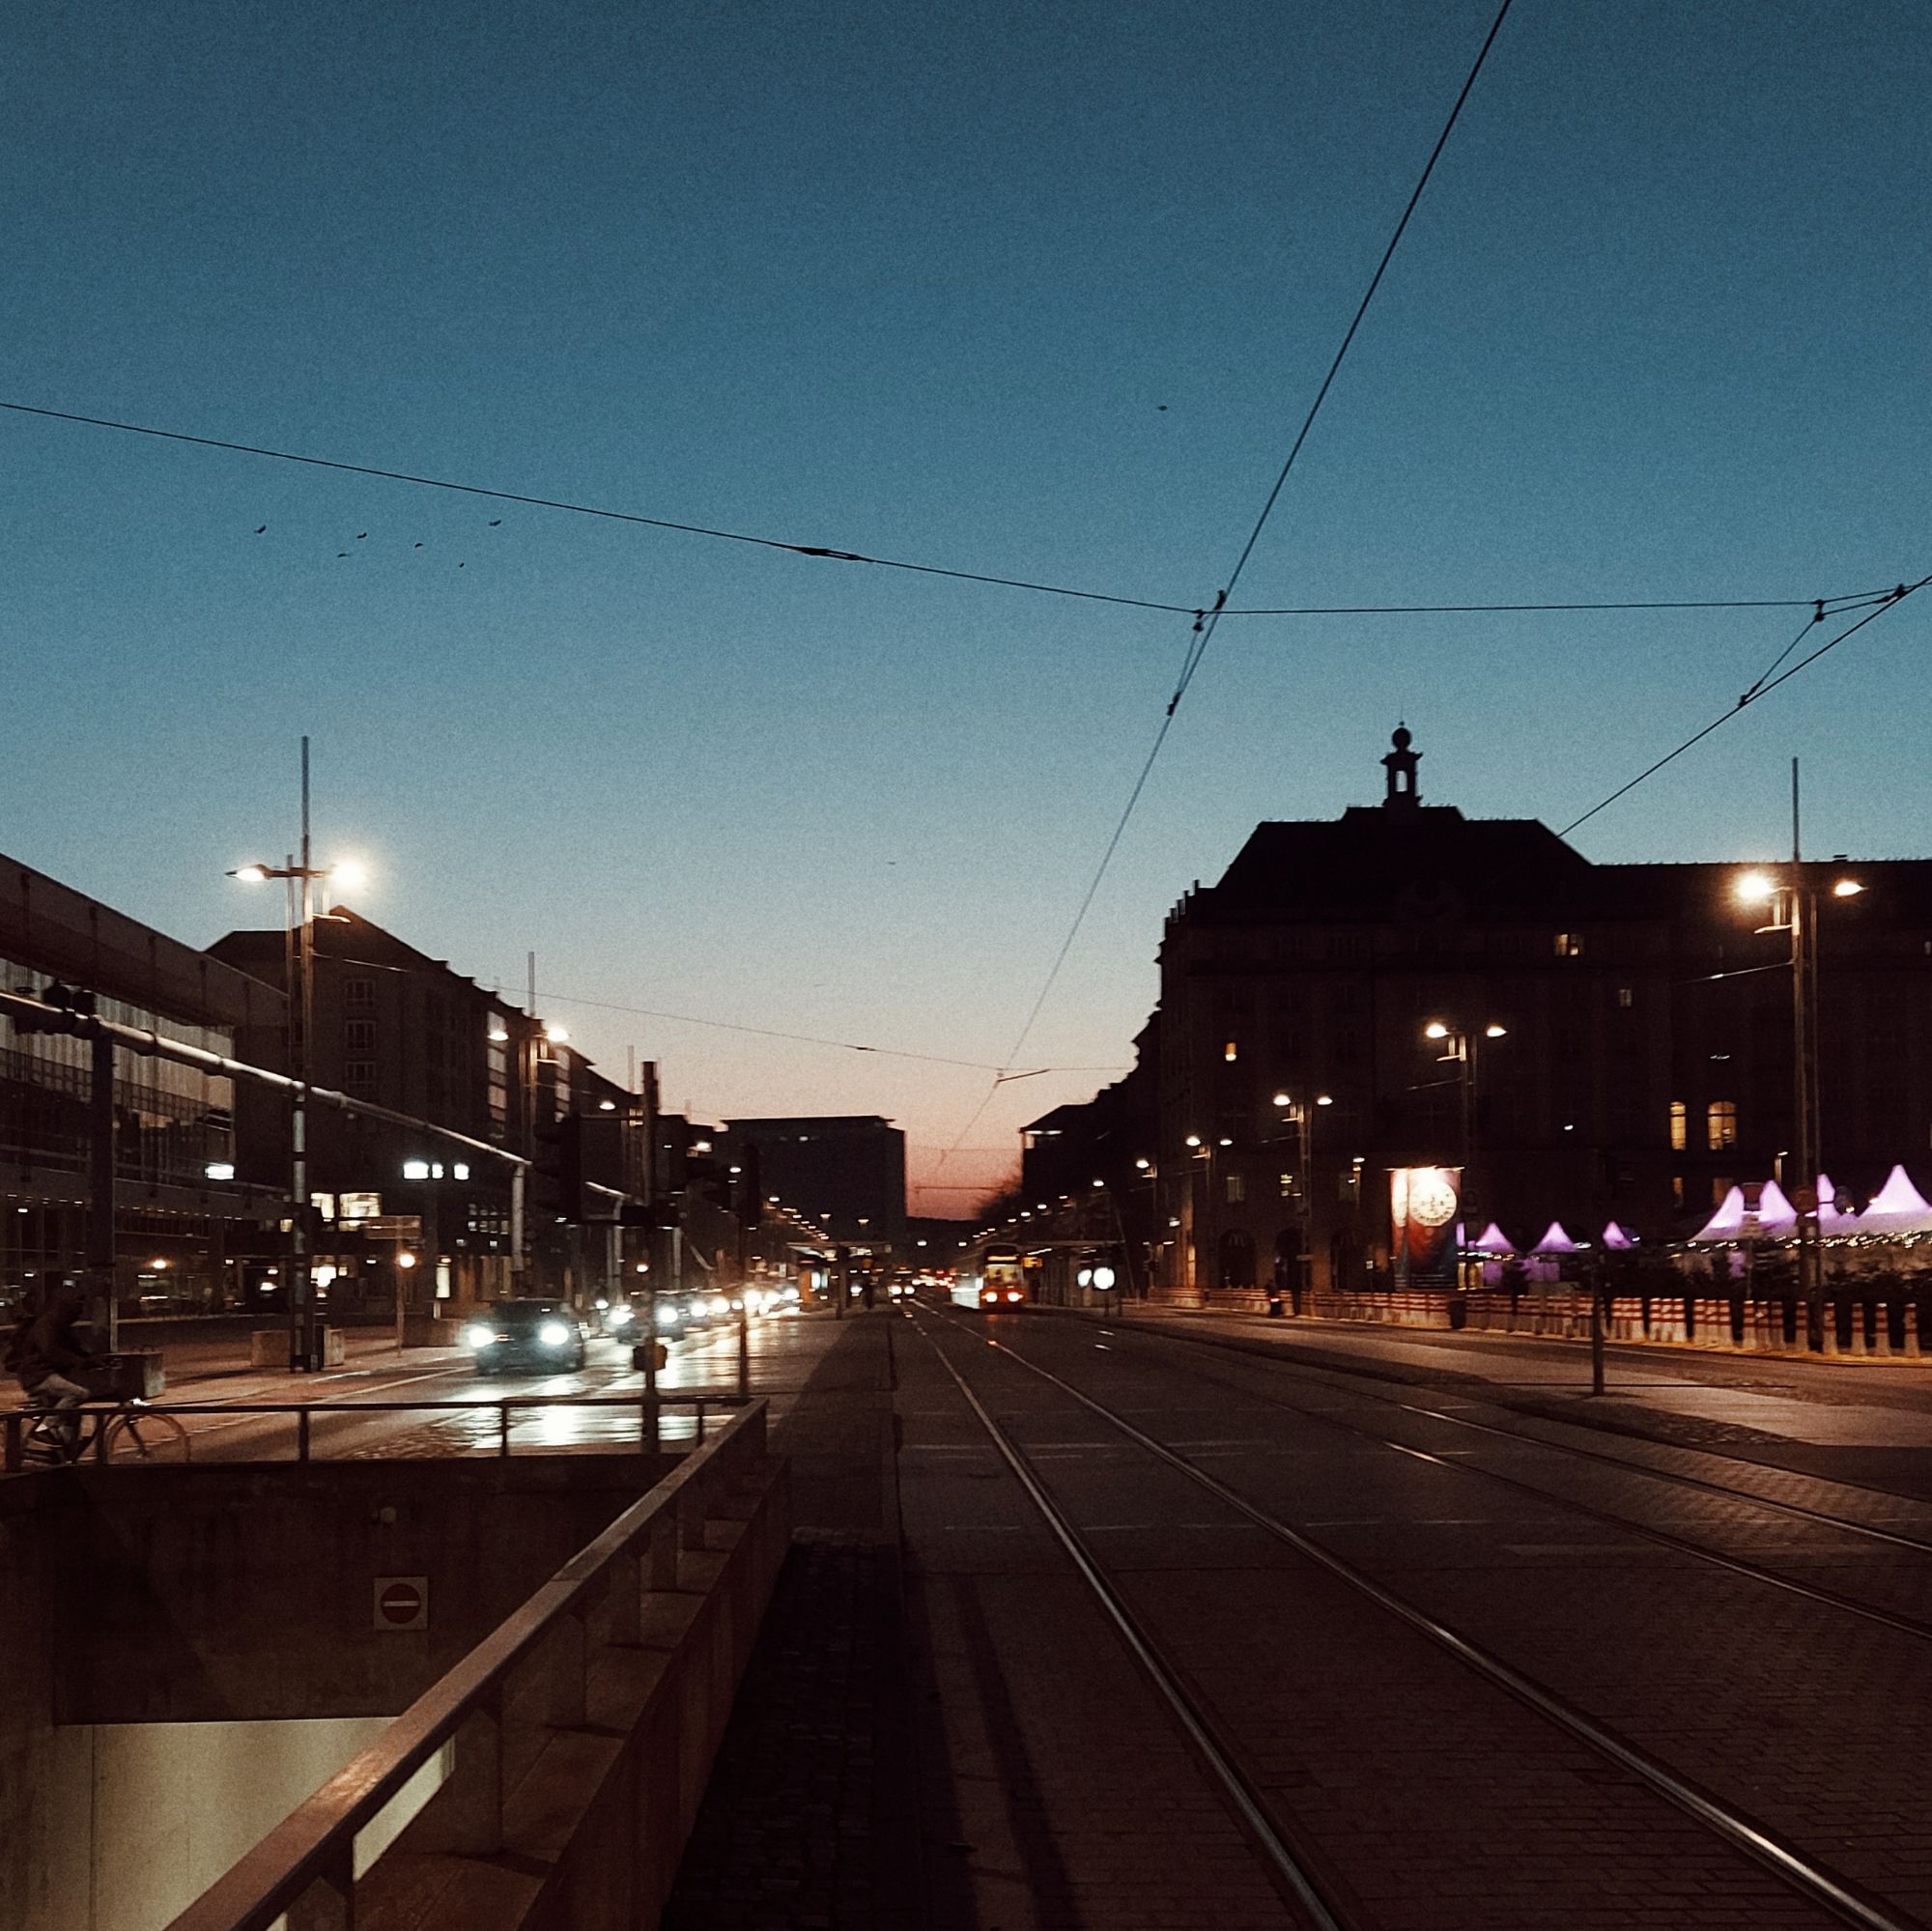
(1283, 1847)
(1833, 1599)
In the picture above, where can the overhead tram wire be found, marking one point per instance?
(840, 555)
(1762, 689)
(809, 1039)
(1207, 621)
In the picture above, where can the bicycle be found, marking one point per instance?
(126, 1430)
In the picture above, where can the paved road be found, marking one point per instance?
(378, 1375)
(1691, 1621)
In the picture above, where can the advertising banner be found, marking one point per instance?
(1424, 1206)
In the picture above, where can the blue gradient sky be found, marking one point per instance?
(917, 281)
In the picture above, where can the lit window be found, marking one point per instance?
(1569, 945)
(1680, 1126)
(1719, 1188)
(1720, 1119)
(1237, 1188)
(1230, 1053)
(1677, 1189)
(1626, 998)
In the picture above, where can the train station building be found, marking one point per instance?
(1403, 988)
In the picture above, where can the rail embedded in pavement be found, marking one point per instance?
(306, 1865)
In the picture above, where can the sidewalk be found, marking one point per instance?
(1850, 1419)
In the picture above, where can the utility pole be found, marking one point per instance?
(1805, 1057)
(100, 1258)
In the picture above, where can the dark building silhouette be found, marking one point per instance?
(844, 1172)
(1644, 1060)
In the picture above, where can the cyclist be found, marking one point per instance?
(44, 1350)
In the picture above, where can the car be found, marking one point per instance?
(629, 1319)
(528, 1335)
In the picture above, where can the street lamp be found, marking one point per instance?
(1791, 895)
(301, 878)
(1301, 1118)
(1458, 1046)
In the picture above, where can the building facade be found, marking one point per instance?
(1403, 988)
(843, 1171)
(396, 1210)
(185, 1225)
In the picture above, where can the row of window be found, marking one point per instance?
(1721, 1126)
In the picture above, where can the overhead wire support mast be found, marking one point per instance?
(1208, 620)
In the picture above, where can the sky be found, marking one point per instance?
(1037, 293)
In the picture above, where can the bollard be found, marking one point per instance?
(302, 1433)
(744, 1353)
(502, 1428)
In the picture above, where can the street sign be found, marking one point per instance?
(401, 1602)
(1805, 1199)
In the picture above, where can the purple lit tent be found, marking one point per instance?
(1491, 1241)
(1617, 1237)
(1556, 1240)
(1897, 1208)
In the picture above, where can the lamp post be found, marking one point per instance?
(1792, 897)
(1458, 1046)
(301, 877)
(1300, 1114)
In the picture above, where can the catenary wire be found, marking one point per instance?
(1207, 621)
(803, 1038)
(1761, 690)
(840, 555)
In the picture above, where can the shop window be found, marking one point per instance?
(1720, 1124)
(1680, 1126)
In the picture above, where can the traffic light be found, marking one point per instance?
(66, 1009)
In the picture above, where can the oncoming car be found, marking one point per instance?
(541, 1335)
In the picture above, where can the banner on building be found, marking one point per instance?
(1424, 1203)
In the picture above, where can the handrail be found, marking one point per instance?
(316, 1841)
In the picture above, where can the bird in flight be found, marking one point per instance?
(496, 523)
(263, 528)
(360, 534)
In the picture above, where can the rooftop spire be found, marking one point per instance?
(1400, 764)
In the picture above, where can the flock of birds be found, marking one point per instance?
(362, 536)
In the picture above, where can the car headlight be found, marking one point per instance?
(618, 1315)
(720, 1305)
(553, 1334)
(476, 1335)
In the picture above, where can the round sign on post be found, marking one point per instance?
(401, 1602)
(1805, 1199)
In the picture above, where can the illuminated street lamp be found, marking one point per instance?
(301, 878)
(1301, 1118)
(1458, 1046)
(1791, 896)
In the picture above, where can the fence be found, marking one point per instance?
(535, 1667)
(1897, 1323)
(305, 1417)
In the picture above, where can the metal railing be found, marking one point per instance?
(307, 1864)
(15, 1422)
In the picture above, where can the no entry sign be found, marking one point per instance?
(401, 1602)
